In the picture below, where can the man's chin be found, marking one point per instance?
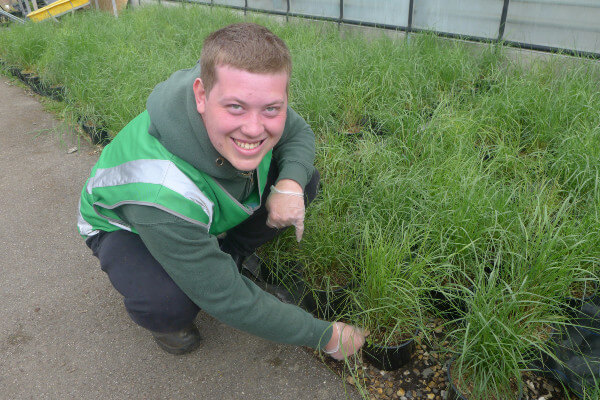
(245, 165)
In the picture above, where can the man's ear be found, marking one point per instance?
(199, 95)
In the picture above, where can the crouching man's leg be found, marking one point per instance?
(245, 238)
(151, 298)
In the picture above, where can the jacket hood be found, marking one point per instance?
(176, 123)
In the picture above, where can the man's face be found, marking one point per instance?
(244, 114)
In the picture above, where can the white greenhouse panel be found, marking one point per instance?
(322, 8)
(479, 18)
(387, 12)
(568, 24)
(235, 3)
(269, 5)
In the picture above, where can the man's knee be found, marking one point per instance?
(167, 311)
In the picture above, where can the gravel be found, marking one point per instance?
(425, 376)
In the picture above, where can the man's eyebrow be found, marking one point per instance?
(235, 99)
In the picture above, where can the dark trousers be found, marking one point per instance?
(151, 298)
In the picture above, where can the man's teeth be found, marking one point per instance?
(247, 146)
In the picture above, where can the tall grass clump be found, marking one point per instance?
(389, 294)
(505, 329)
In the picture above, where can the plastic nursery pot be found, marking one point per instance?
(450, 302)
(97, 134)
(56, 92)
(365, 123)
(373, 125)
(573, 304)
(15, 71)
(34, 83)
(24, 75)
(327, 304)
(288, 289)
(389, 358)
(543, 359)
(455, 394)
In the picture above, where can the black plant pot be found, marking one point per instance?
(328, 304)
(15, 72)
(450, 302)
(24, 76)
(34, 83)
(55, 92)
(373, 125)
(542, 359)
(455, 394)
(97, 134)
(289, 289)
(573, 305)
(389, 358)
(365, 123)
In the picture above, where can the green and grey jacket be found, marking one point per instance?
(162, 179)
(136, 169)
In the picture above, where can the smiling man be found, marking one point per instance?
(214, 167)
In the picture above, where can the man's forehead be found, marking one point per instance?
(221, 68)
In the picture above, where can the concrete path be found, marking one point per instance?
(64, 333)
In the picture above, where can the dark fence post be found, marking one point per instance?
(411, 6)
(287, 11)
(341, 12)
(503, 19)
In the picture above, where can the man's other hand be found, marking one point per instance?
(285, 205)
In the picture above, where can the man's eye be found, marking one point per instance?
(272, 110)
(235, 107)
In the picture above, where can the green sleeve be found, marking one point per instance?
(295, 151)
(193, 259)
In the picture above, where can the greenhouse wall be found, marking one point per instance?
(570, 26)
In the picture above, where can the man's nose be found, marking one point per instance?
(252, 125)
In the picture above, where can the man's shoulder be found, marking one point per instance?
(294, 121)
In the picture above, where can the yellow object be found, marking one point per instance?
(56, 9)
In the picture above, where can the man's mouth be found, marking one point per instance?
(247, 145)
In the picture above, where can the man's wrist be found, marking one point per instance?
(334, 343)
(289, 185)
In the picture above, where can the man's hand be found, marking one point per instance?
(345, 340)
(285, 205)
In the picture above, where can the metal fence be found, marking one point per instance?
(567, 26)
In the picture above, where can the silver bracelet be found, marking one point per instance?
(337, 348)
(274, 189)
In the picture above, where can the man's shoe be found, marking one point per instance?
(179, 342)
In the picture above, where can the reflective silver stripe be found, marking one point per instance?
(123, 225)
(159, 172)
(84, 227)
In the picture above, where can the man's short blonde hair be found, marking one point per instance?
(245, 46)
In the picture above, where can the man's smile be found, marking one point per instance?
(247, 145)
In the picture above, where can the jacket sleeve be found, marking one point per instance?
(209, 277)
(295, 151)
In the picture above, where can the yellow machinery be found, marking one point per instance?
(57, 9)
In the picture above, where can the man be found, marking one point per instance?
(218, 152)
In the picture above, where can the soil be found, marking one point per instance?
(395, 339)
(425, 376)
(581, 290)
(465, 387)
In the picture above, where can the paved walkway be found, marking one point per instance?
(64, 333)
